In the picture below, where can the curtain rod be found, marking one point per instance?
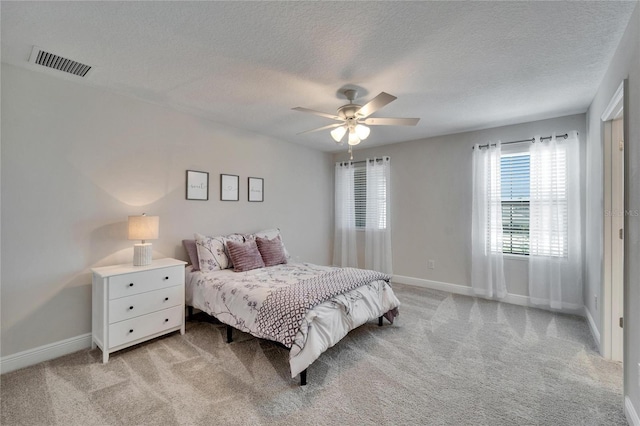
(566, 135)
(363, 161)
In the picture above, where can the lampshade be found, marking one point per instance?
(362, 131)
(144, 227)
(338, 133)
(353, 138)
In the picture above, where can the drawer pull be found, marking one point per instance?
(166, 278)
(131, 330)
(166, 320)
(166, 298)
(130, 308)
(130, 284)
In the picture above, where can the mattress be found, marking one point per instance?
(234, 298)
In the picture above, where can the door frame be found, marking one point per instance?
(612, 300)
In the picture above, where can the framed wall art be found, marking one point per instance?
(256, 189)
(229, 187)
(197, 185)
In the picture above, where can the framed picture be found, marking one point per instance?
(256, 189)
(197, 185)
(229, 187)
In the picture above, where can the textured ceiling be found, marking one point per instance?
(457, 66)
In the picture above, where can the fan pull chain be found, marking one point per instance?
(350, 152)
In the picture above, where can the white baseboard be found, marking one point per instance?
(630, 412)
(514, 299)
(592, 326)
(434, 285)
(44, 353)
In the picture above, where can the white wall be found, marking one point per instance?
(431, 200)
(77, 160)
(625, 64)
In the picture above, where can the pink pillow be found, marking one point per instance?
(244, 256)
(192, 251)
(272, 251)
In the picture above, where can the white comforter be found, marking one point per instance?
(235, 298)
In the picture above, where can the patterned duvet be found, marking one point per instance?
(236, 298)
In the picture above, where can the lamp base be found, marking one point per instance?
(142, 254)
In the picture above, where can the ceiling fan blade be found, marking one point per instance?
(321, 114)
(330, 126)
(390, 121)
(375, 104)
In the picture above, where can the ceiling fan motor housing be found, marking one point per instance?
(348, 111)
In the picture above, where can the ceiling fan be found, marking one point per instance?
(354, 119)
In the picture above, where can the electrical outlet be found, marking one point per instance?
(431, 264)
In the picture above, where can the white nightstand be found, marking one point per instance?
(132, 304)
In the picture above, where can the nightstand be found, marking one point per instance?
(132, 304)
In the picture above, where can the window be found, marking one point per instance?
(515, 174)
(550, 191)
(379, 191)
(549, 203)
(360, 195)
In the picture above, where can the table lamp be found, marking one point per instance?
(143, 228)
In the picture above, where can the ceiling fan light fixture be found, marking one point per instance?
(362, 131)
(353, 138)
(338, 133)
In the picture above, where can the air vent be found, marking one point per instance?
(51, 60)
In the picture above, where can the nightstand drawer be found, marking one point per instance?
(141, 327)
(140, 282)
(144, 303)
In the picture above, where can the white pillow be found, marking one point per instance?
(211, 254)
(269, 234)
(212, 251)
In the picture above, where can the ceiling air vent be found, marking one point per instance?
(51, 60)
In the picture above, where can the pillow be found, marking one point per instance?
(237, 238)
(192, 251)
(211, 253)
(272, 251)
(269, 234)
(245, 256)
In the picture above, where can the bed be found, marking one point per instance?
(304, 307)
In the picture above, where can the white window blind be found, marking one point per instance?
(550, 191)
(515, 174)
(360, 195)
(549, 195)
(377, 198)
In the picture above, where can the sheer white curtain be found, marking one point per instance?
(377, 247)
(344, 242)
(487, 264)
(555, 255)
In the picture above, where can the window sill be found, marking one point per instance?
(519, 257)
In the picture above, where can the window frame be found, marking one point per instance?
(525, 150)
(360, 198)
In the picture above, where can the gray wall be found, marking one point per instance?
(625, 64)
(76, 161)
(431, 200)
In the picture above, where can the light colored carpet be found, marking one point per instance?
(449, 360)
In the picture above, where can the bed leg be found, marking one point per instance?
(190, 312)
(229, 334)
(303, 377)
(380, 322)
